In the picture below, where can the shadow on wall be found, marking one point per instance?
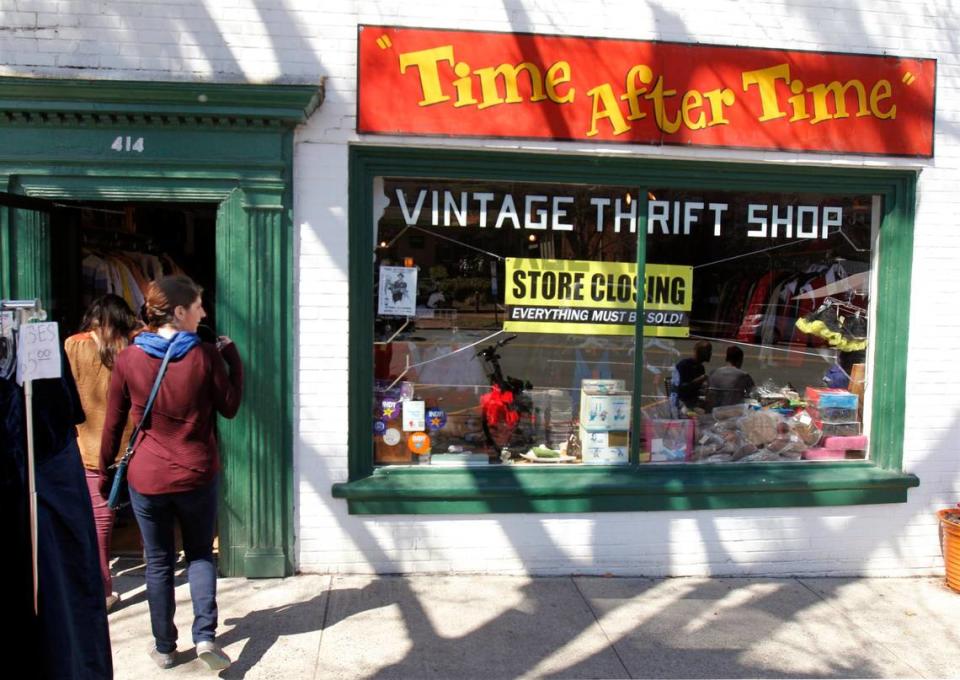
(181, 41)
(533, 538)
(869, 532)
(534, 545)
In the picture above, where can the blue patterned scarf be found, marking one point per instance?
(156, 345)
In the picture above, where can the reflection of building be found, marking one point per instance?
(287, 261)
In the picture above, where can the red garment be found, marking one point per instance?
(177, 450)
(749, 330)
(103, 518)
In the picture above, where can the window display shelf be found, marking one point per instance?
(400, 490)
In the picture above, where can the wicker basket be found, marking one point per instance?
(950, 544)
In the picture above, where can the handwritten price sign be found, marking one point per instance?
(38, 352)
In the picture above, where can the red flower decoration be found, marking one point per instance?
(497, 406)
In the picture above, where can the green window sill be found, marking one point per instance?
(521, 488)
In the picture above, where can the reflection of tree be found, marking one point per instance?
(584, 242)
(458, 258)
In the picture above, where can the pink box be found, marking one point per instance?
(823, 454)
(857, 443)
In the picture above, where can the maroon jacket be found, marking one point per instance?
(176, 450)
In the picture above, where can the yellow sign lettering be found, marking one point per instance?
(881, 90)
(490, 94)
(839, 92)
(605, 106)
(425, 61)
(766, 81)
(558, 74)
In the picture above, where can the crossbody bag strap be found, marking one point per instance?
(149, 405)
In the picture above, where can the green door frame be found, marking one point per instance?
(184, 142)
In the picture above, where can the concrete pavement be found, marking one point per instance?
(424, 627)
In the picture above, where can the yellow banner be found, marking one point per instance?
(596, 298)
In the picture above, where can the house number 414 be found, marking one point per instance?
(127, 144)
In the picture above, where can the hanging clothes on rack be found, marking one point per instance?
(842, 325)
(124, 273)
(803, 303)
(757, 307)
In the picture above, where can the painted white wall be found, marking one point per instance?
(303, 40)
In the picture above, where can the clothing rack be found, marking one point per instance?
(26, 311)
(845, 306)
(108, 239)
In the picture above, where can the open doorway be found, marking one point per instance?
(213, 152)
(113, 247)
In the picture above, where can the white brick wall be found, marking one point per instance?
(302, 40)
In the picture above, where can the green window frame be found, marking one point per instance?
(425, 490)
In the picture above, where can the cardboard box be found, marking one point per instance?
(857, 386)
(605, 412)
(605, 448)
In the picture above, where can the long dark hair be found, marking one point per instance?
(166, 294)
(114, 321)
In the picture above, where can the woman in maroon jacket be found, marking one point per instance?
(173, 474)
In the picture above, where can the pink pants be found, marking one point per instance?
(103, 518)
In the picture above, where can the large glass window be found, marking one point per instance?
(774, 368)
(498, 305)
(505, 315)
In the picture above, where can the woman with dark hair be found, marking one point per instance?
(106, 329)
(173, 473)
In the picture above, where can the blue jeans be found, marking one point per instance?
(196, 512)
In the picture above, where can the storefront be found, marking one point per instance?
(479, 286)
(604, 284)
(119, 181)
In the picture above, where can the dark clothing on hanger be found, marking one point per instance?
(69, 638)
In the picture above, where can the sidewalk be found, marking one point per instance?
(423, 627)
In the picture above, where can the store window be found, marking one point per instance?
(497, 305)
(774, 366)
(505, 318)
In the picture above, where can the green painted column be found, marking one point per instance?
(30, 264)
(253, 308)
(6, 254)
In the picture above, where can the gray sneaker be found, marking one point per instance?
(211, 654)
(164, 660)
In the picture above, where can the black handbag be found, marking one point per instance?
(119, 491)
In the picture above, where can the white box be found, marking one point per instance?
(605, 412)
(604, 448)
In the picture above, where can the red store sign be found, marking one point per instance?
(471, 84)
